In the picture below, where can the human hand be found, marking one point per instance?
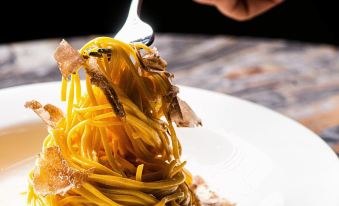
(241, 10)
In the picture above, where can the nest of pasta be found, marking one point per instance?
(115, 144)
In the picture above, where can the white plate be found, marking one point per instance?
(249, 154)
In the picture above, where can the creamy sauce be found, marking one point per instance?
(20, 141)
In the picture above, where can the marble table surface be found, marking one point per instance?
(299, 80)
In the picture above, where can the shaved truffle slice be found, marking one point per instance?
(179, 111)
(182, 114)
(153, 60)
(52, 175)
(68, 59)
(49, 113)
(99, 80)
(205, 196)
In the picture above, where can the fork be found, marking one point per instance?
(134, 29)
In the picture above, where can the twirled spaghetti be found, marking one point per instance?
(116, 144)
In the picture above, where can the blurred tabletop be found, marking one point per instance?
(297, 79)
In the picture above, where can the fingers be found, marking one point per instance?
(206, 2)
(247, 9)
(241, 9)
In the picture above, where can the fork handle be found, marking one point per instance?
(134, 10)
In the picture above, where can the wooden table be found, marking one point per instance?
(296, 79)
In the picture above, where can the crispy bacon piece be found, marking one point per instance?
(205, 196)
(68, 59)
(52, 175)
(49, 113)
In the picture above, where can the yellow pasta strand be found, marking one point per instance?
(138, 175)
(63, 89)
(77, 87)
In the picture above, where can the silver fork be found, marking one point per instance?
(134, 29)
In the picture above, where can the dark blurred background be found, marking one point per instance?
(302, 20)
